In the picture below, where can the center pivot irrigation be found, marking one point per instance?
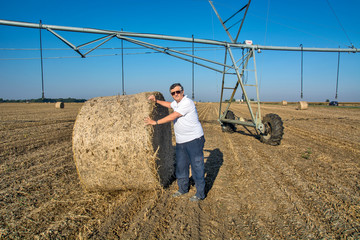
(269, 127)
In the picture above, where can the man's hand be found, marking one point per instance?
(149, 121)
(152, 98)
(160, 102)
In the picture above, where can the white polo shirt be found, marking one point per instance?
(187, 127)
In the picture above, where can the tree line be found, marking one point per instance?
(40, 100)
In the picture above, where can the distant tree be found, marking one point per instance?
(327, 100)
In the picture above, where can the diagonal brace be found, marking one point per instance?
(66, 42)
(169, 51)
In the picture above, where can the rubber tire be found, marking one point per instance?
(229, 127)
(274, 129)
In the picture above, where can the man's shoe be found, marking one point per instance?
(195, 199)
(177, 194)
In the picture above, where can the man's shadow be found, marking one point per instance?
(212, 167)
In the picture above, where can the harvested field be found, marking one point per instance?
(306, 188)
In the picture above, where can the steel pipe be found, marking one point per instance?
(172, 38)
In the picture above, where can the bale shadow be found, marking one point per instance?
(172, 178)
(212, 167)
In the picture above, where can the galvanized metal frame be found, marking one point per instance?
(244, 8)
(255, 118)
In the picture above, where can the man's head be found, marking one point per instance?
(177, 91)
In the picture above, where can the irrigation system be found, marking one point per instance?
(269, 127)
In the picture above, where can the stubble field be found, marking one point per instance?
(306, 188)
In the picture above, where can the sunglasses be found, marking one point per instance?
(177, 92)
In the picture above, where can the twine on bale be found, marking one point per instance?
(114, 149)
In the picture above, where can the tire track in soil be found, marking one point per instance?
(119, 220)
(336, 164)
(271, 196)
(34, 171)
(23, 125)
(202, 109)
(24, 142)
(298, 189)
(321, 195)
(340, 169)
(236, 222)
(325, 140)
(250, 190)
(309, 215)
(332, 175)
(33, 174)
(172, 218)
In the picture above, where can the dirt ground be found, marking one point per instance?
(306, 188)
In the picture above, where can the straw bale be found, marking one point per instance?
(59, 105)
(114, 149)
(284, 103)
(302, 105)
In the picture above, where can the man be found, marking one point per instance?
(190, 141)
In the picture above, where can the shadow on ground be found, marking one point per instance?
(212, 168)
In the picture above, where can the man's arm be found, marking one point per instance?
(168, 118)
(162, 103)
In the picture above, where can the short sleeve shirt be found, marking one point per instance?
(187, 127)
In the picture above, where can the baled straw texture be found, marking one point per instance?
(59, 105)
(114, 149)
(302, 105)
(284, 103)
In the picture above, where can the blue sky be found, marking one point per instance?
(269, 22)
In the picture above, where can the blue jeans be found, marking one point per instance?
(191, 153)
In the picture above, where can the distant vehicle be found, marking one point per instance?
(334, 103)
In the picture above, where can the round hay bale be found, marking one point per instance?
(302, 105)
(284, 103)
(114, 149)
(59, 105)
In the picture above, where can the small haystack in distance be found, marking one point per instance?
(284, 103)
(302, 105)
(59, 105)
(114, 149)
